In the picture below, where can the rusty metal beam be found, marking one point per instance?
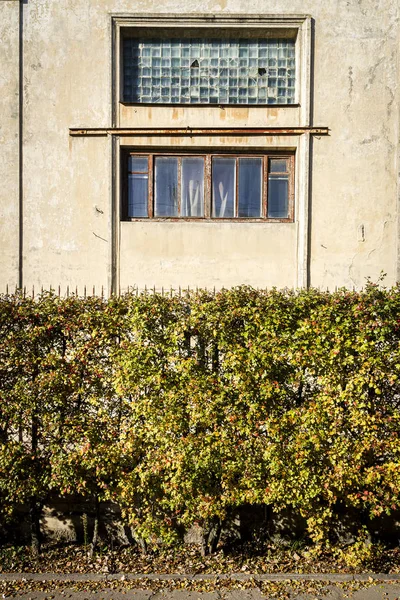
(194, 131)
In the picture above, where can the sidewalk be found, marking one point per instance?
(54, 586)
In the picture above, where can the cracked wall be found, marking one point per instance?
(361, 104)
(68, 182)
(9, 143)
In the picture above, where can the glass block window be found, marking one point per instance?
(210, 186)
(209, 71)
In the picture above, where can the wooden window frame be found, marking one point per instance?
(265, 156)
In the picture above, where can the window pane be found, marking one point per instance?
(278, 165)
(137, 195)
(228, 70)
(250, 183)
(166, 187)
(223, 187)
(138, 164)
(278, 197)
(192, 200)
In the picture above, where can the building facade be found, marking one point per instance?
(216, 145)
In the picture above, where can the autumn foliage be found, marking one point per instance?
(182, 408)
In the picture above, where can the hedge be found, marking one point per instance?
(183, 408)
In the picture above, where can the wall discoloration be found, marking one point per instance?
(68, 83)
(350, 77)
(206, 116)
(208, 256)
(9, 142)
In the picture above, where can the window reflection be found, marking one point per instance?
(250, 186)
(192, 195)
(138, 186)
(278, 194)
(223, 185)
(166, 187)
(236, 187)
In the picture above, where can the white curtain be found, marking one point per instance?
(193, 198)
(223, 199)
(192, 201)
(224, 182)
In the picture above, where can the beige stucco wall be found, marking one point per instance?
(70, 198)
(355, 170)
(209, 254)
(262, 254)
(9, 143)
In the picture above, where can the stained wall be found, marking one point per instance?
(60, 205)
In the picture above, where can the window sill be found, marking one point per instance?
(202, 220)
(205, 105)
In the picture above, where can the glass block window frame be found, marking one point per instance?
(276, 190)
(249, 71)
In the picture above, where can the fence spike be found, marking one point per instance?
(24, 291)
(162, 291)
(67, 291)
(102, 292)
(180, 292)
(33, 292)
(59, 290)
(154, 290)
(7, 289)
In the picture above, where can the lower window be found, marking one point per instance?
(209, 186)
